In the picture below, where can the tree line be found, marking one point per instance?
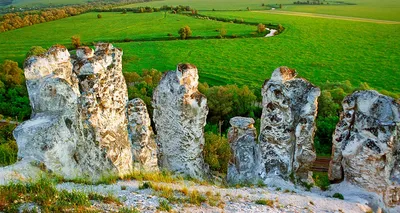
(224, 102)
(11, 21)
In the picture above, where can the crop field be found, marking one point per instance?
(206, 4)
(382, 9)
(320, 49)
(111, 27)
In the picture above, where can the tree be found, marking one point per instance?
(99, 16)
(35, 51)
(10, 74)
(185, 32)
(216, 152)
(222, 32)
(76, 41)
(260, 28)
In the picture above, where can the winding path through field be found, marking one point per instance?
(317, 15)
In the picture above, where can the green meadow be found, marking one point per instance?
(320, 49)
(205, 4)
(111, 27)
(382, 9)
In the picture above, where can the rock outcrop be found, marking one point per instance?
(245, 163)
(144, 148)
(103, 100)
(180, 113)
(366, 145)
(288, 125)
(78, 126)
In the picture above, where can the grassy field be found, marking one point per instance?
(382, 9)
(111, 27)
(206, 4)
(320, 49)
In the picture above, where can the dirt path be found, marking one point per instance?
(316, 15)
(321, 164)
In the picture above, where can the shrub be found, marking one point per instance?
(267, 202)
(35, 51)
(99, 16)
(164, 206)
(321, 180)
(8, 153)
(43, 193)
(76, 41)
(145, 185)
(216, 152)
(338, 196)
(280, 28)
(222, 32)
(10, 74)
(260, 28)
(185, 32)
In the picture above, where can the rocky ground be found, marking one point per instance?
(279, 199)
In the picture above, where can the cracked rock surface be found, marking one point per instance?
(366, 145)
(245, 163)
(144, 148)
(288, 125)
(180, 113)
(78, 126)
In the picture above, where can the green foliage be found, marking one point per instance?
(222, 33)
(14, 100)
(8, 152)
(260, 28)
(164, 206)
(216, 152)
(196, 198)
(109, 199)
(43, 193)
(10, 74)
(185, 32)
(321, 180)
(266, 202)
(142, 86)
(327, 107)
(76, 41)
(145, 185)
(306, 185)
(128, 210)
(338, 196)
(225, 102)
(323, 136)
(35, 51)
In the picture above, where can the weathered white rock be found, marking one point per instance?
(366, 145)
(245, 163)
(144, 147)
(180, 113)
(78, 128)
(288, 125)
(103, 102)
